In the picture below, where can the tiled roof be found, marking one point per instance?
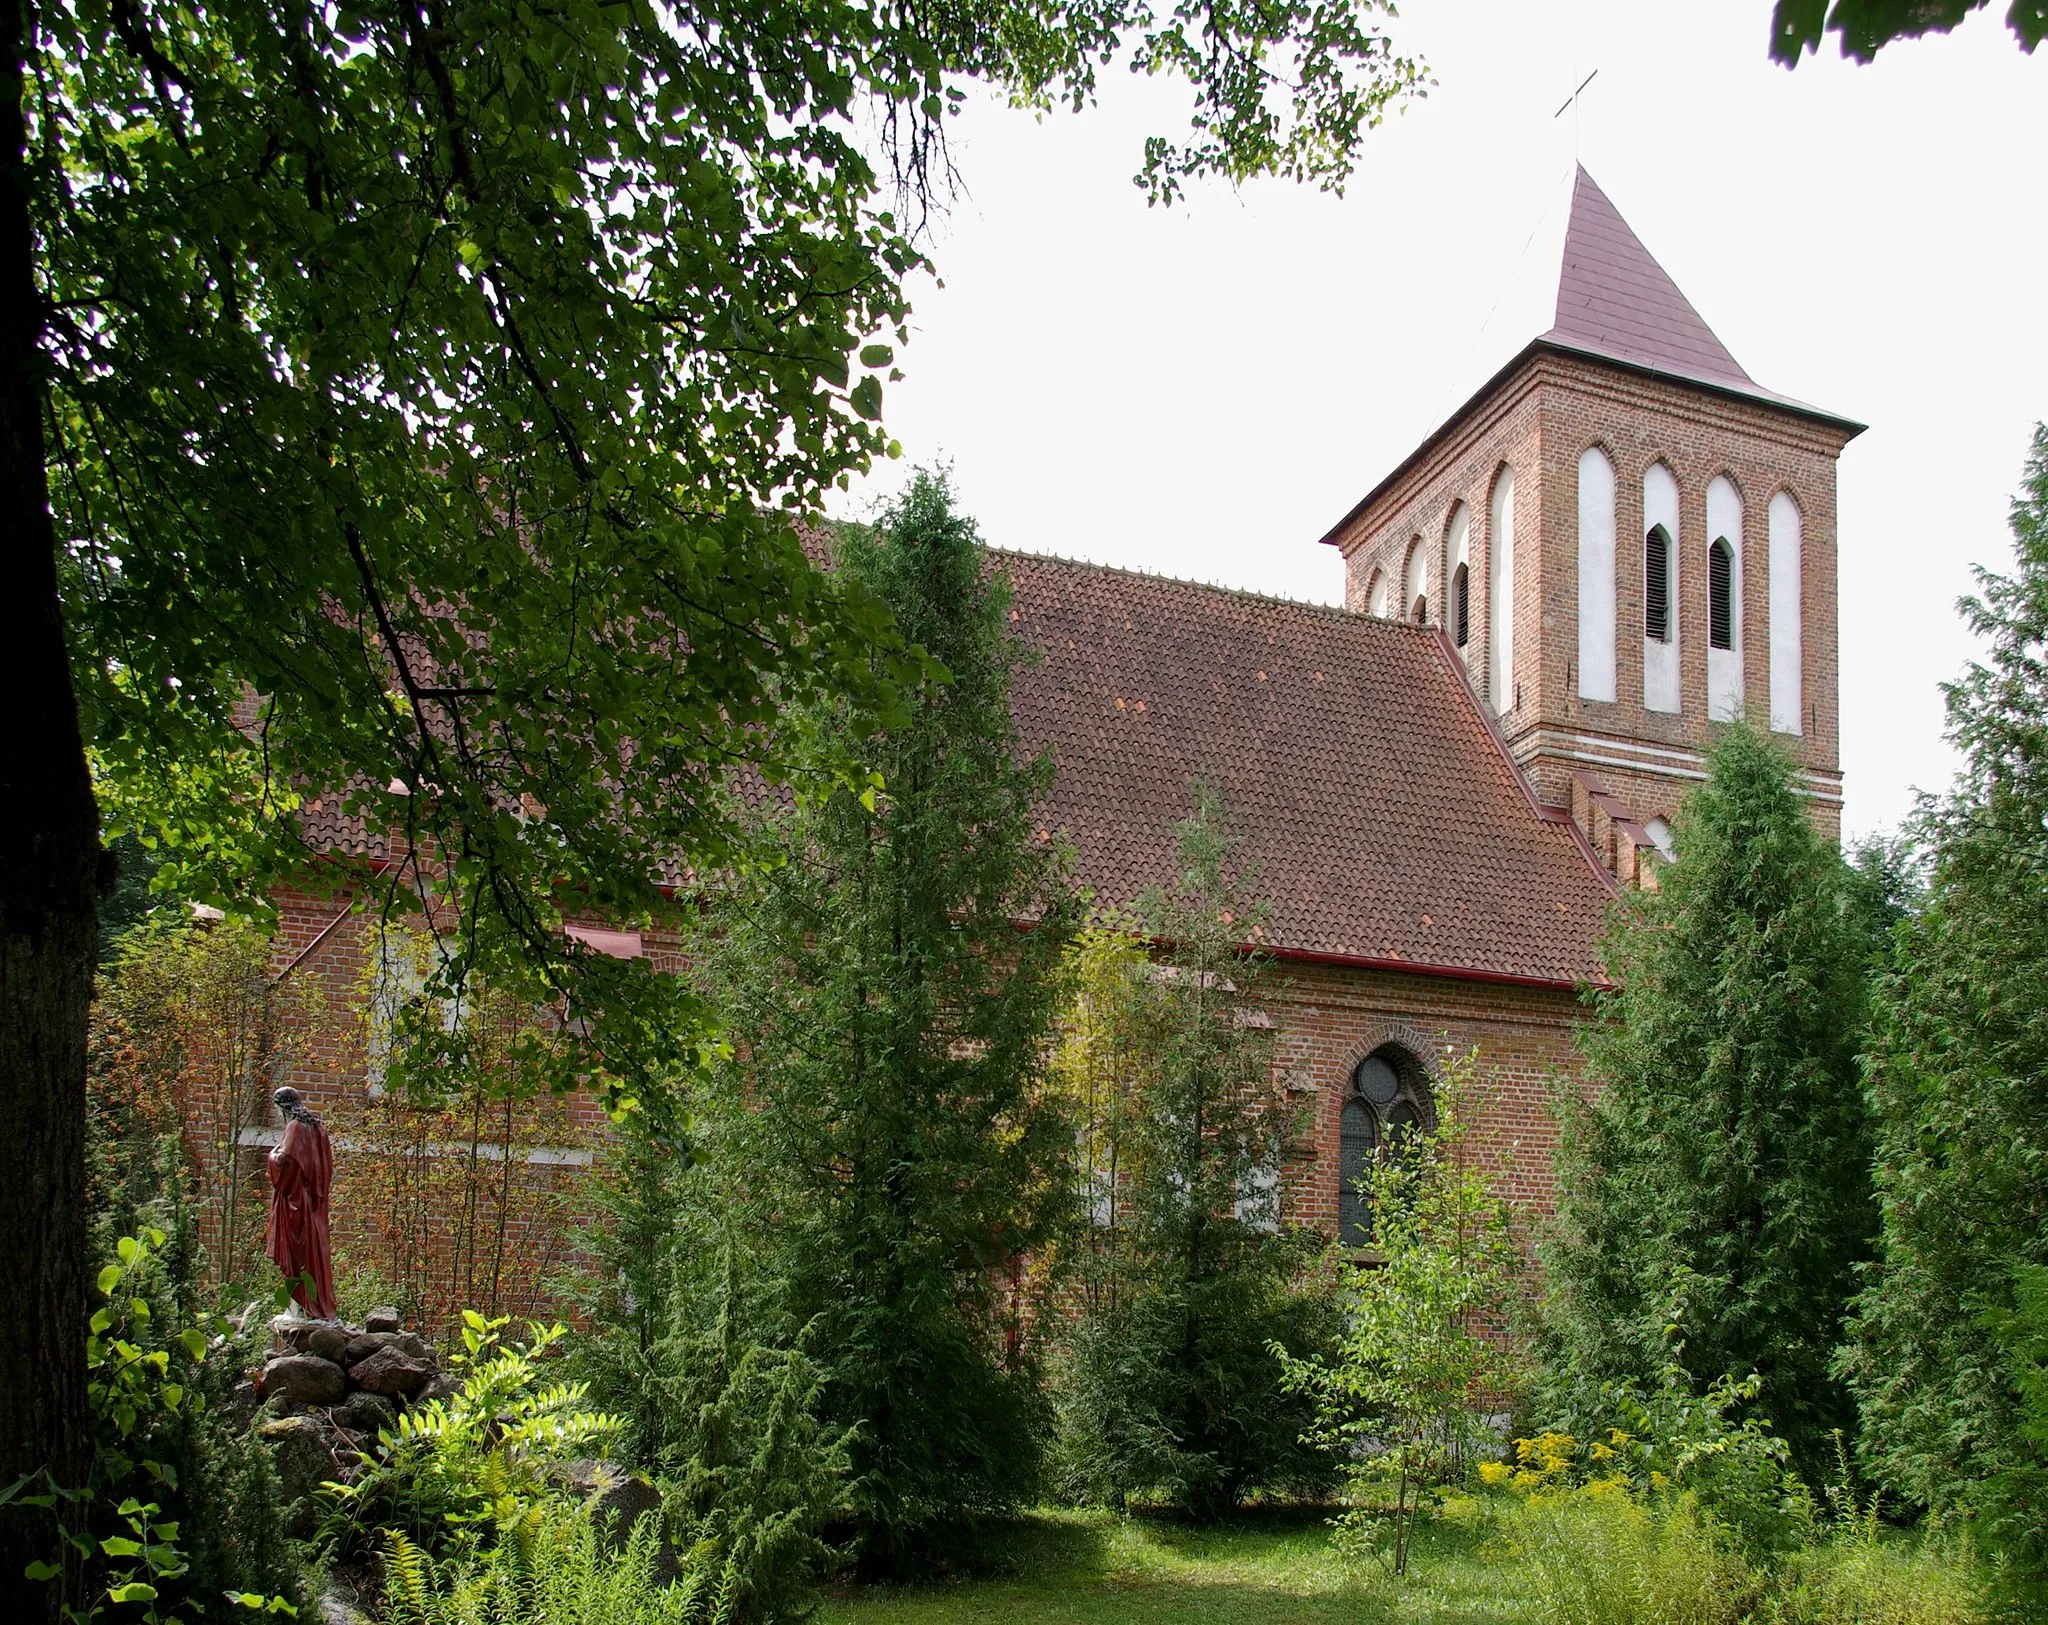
(1615, 304)
(328, 829)
(1614, 299)
(1381, 815)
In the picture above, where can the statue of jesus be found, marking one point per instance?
(301, 1169)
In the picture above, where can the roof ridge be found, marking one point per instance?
(1335, 611)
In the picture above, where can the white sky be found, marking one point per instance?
(1204, 391)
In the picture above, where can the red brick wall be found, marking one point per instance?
(427, 1205)
(1330, 1018)
(1539, 421)
(427, 1227)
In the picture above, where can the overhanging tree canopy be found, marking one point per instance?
(428, 368)
(1864, 26)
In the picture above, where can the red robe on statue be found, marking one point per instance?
(301, 1170)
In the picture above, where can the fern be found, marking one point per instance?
(406, 1583)
(559, 1567)
(457, 1473)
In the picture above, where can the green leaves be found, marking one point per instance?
(876, 1140)
(1186, 1271)
(429, 409)
(1947, 1349)
(1394, 1405)
(1729, 1135)
(1863, 27)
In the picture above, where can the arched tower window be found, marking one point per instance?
(1661, 553)
(1724, 599)
(1787, 614)
(1657, 585)
(1415, 582)
(1386, 1102)
(1500, 595)
(1720, 595)
(1376, 594)
(1596, 575)
(1458, 554)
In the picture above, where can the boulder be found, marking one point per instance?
(443, 1387)
(619, 1500)
(303, 1379)
(330, 1342)
(366, 1413)
(364, 1344)
(243, 1403)
(293, 1334)
(308, 1453)
(383, 1319)
(338, 1611)
(607, 1488)
(392, 1371)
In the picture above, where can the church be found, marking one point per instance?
(1618, 541)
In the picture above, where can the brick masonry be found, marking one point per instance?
(1538, 421)
(416, 1213)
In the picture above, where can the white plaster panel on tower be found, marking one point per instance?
(1787, 611)
(1661, 690)
(1724, 665)
(1596, 575)
(1458, 572)
(1500, 597)
(1415, 580)
(1376, 595)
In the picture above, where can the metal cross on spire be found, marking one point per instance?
(1571, 103)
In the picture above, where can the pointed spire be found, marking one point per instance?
(1614, 299)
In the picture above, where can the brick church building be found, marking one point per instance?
(1618, 541)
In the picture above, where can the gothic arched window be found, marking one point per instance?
(1422, 612)
(1657, 585)
(1721, 594)
(1461, 606)
(1386, 1102)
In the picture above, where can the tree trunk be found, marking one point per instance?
(49, 919)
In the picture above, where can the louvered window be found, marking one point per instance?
(1657, 585)
(1721, 594)
(1422, 612)
(1461, 605)
(1382, 1108)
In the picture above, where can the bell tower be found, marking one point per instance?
(1626, 540)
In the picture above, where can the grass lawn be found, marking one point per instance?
(1077, 1568)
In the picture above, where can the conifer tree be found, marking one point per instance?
(881, 1127)
(1958, 1052)
(1727, 1133)
(1188, 1274)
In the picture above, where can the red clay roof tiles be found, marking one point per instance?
(1382, 818)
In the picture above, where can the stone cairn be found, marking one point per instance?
(329, 1389)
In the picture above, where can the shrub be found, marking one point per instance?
(1669, 1434)
(557, 1566)
(1861, 1579)
(1599, 1555)
(181, 1509)
(1396, 1404)
(1187, 1272)
(686, 1344)
(455, 1473)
